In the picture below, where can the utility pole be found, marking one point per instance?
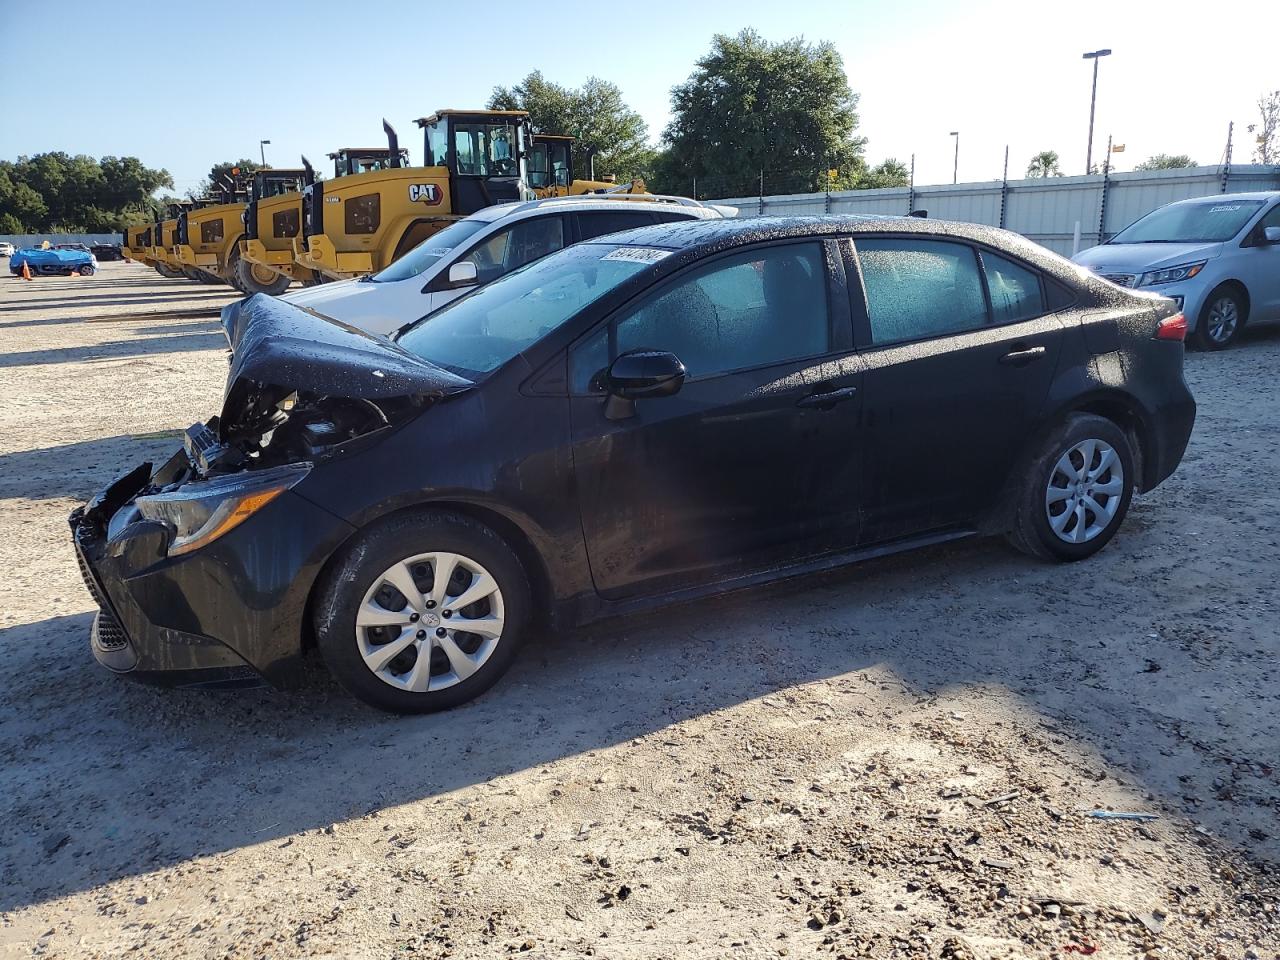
(955, 168)
(1226, 159)
(1095, 56)
(262, 151)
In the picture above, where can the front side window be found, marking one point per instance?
(487, 149)
(1206, 222)
(519, 244)
(920, 288)
(477, 334)
(752, 309)
(1015, 290)
(285, 223)
(429, 251)
(539, 167)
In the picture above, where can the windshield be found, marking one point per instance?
(1191, 222)
(481, 332)
(429, 251)
(487, 149)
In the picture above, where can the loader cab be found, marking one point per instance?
(486, 153)
(352, 160)
(274, 183)
(551, 162)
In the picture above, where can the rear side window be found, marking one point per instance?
(754, 309)
(363, 214)
(920, 288)
(1015, 290)
(598, 223)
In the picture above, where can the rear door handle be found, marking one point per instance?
(828, 399)
(1020, 358)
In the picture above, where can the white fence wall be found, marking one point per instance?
(1045, 211)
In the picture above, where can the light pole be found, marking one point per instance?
(955, 168)
(1095, 56)
(262, 152)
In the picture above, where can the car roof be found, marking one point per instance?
(588, 202)
(1224, 197)
(693, 239)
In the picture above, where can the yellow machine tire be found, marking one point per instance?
(250, 278)
(168, 272)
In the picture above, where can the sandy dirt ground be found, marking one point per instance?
(895, 760)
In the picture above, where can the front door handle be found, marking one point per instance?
(828, 399)
(1020, 358)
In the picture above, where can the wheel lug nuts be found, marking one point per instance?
(422, 634)
(431, 604)
(448, 613)
(413, 618)
(441, 632)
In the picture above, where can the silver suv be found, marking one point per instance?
(1218, 257)
(483, 247)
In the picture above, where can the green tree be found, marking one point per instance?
(594, 113)
(1166, 161)
(752, 107)
(58, 192)
(1045, 164)
(1268, 143)
(889, 173)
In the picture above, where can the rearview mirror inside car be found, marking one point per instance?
(463, 272)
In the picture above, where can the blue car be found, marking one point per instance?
(55, 262)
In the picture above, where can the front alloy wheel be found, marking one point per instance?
(430, 622)
(1220, 320)
(422, 611)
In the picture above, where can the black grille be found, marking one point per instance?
(111, 635)
(181, 231)
(251, 220)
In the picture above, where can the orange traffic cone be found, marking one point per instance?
(26, 270)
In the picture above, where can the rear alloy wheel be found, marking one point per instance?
(413, 632)
(1220, 320)
(87, 270)
(1077, 490)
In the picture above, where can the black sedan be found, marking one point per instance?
(656, 415)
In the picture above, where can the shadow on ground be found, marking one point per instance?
(159, 776)
(171, 343)
(79, 470)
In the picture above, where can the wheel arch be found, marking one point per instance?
(512, 532)
(1231, 283)
(1125, 412)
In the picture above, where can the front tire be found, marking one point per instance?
(250, 278)
(423, 612)
(87, 271)
(1076, 491)
(1221, 319)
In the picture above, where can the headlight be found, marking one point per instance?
(1183, 271)
(201, 512)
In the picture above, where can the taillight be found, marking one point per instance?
(1172, 328)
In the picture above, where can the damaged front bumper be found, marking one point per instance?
(230, 614)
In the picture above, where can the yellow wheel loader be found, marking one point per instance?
(207, 238)
(272, 218)
(163, 236)
(551, 171)
(361, 221)
(135, 243)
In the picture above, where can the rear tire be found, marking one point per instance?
(1076, 490)
(87, 271)
(168, 272)
(1221, 319)
(406, 654)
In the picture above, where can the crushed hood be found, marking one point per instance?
(276, 344)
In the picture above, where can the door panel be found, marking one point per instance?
(755, 462)
(945, 420)
(1260, 271)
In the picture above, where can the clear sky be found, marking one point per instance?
(183, 85)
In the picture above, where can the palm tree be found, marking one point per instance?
(1044, 164)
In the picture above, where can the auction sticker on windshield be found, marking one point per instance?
(637, 254)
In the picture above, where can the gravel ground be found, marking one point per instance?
(901, 771)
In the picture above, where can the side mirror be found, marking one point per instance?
(645, 373)
(463, 273)
(1271, 234)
